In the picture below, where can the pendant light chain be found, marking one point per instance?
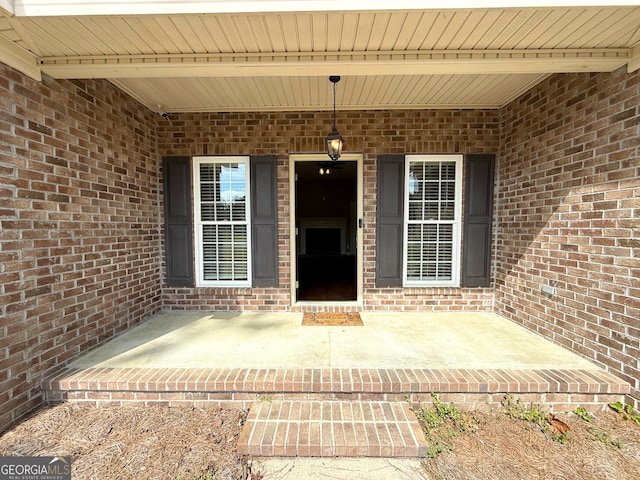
(334, 105)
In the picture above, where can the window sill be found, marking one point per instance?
(448, 290)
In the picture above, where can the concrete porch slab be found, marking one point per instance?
(234, 359)
(277, 340)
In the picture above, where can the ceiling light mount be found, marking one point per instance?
(334, 142)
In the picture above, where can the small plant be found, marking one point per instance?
(547, 422)
(626, 411)
(265, 399)
(561, 438)
(583, 414)
(604, 437)
(532, 413)
(442, 423)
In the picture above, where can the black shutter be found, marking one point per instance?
(178, 230)
(478, 218)
(389, 220)
(264, 221)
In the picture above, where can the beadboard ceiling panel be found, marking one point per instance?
(466, 58)
(314, 93)
(337, 31)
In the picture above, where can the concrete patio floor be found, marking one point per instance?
(277, 340)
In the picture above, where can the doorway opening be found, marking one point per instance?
(326, 222)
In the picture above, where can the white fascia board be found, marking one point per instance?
(634, 61)
(6, 6)
(19, 58)
(27, 8)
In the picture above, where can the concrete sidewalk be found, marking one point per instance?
(339, 468)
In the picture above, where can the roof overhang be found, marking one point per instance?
(173, 7)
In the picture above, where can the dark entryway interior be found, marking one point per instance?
(326, 230)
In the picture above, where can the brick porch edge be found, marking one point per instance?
(563, 389)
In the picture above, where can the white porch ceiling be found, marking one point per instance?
(417, 58)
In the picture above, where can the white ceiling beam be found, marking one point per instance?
(167, 7)
(634, 61)
(19, 58)
(363, 63)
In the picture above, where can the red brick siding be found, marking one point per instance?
(79, 236)
(371, 133)
(569, 216)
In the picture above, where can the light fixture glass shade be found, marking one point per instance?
(334, 144)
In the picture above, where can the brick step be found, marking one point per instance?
(332, 429)
(240, 387)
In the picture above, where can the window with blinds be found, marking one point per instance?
(433, 200)
(222, 221)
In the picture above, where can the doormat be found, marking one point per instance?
(332, 319)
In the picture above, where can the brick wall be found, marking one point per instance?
(371, 133)
(79, 236)
(569, 216)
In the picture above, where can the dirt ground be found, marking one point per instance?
(185, 444)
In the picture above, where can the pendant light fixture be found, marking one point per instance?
(333, 141)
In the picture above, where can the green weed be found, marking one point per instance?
(442, 423)
(583, 414)
(548, 424)
(561, 438)
(626, 411)
(604, 437)
(532, 413)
